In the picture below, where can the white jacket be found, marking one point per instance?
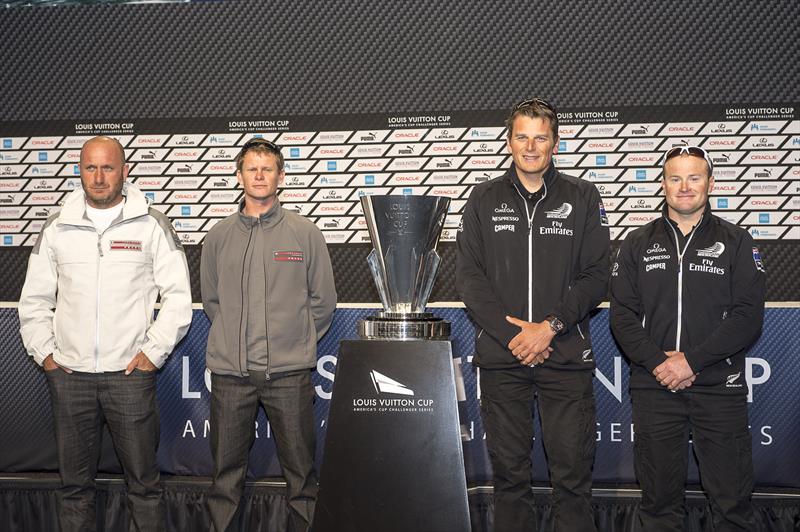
(89, 297)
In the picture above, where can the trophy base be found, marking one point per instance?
(403, 326)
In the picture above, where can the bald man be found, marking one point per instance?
(86, 317)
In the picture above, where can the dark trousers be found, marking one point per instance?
(567, 412)
(289, 403)
(82, 402)
(717, 425)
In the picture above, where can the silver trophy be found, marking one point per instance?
(404, 231)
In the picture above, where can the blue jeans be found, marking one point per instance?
(82, 402)
(289, 404)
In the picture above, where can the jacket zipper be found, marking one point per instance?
(97, 303)
(266, 305)
(241, 312)
(530, 217)
(680, 282)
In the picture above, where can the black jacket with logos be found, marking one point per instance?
(559, 265)
(705, 298)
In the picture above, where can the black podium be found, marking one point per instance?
(393, 459)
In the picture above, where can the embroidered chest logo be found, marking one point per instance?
(713, 251)
(288, 256)
(560, 213)
(654, 253)
(557, 226)
(125, 245)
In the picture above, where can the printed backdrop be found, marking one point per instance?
(186, 167)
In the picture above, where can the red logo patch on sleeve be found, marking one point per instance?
(288, 256)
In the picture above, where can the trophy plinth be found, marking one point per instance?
(404, 231)
(403, 326)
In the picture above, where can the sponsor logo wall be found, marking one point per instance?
(187, 170)
(184, 397)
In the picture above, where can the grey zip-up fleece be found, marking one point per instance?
(300, 296)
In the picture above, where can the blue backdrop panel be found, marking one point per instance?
(26, 441)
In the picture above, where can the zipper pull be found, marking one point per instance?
(99, 246)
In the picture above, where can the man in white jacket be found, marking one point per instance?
(86, 316)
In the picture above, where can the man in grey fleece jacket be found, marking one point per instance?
(268, 290)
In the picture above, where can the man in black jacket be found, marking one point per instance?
(687, 301)
(532, 263)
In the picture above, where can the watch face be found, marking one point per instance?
(556, 324)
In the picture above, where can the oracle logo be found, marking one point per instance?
(326, 151)
(683, 129)
(368, 164)
(409, 179)
(640, 159)
(42, 143)
(330, 209)
(186, 154)
(764, 203)
(724, 188)
(294, 137)
(449, 149)
(603, 145)
(722, 143)
(185, 196)
(220, 210)
(147, 140)
(760, 157)
(294, 195)
(148, 182)
(482, 161)
(218, 167)
(639, 218)
(407, 135)
(445, 192)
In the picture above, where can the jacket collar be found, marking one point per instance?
(73, 210)
(268, 219)
(549, 178)
(704, 220)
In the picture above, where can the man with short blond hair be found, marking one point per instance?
(86, 316)
(687, 300)
(267, 285)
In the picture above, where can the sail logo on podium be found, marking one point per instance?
(410, 404)
(384, 384)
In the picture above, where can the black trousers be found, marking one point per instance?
(82, 402)
(717, 425)
(567, 412)
(289, 403)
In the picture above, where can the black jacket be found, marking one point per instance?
(712, 310)
(559, 268)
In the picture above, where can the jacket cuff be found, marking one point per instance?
(695, 359)
(153, 354)
(46, 350)
(654, 360)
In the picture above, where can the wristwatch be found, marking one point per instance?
(556, 325)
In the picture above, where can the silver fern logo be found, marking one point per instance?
(712, 251)
(561, 213)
